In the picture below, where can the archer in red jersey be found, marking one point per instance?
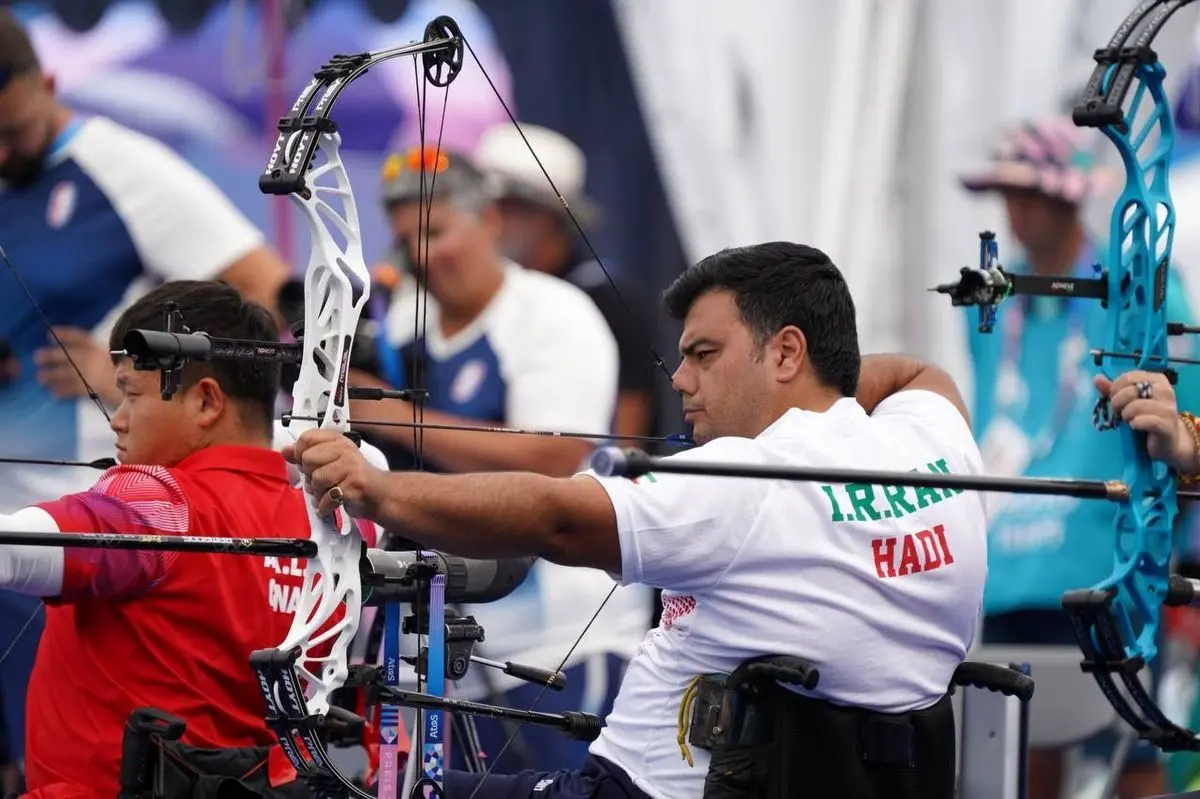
(172, 631)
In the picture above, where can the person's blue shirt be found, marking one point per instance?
(1033, 416)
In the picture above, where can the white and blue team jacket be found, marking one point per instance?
(114, 213)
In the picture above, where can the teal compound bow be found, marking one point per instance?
(1117, 621)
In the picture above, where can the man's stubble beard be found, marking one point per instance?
(21, 171)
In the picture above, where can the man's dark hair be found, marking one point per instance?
(779, 284)
(219, 310)
(17, 55)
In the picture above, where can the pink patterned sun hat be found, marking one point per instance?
(1049, 156)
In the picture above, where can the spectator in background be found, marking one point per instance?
(92, 214)
(1033, 416)
(536, 232)
(503, 345)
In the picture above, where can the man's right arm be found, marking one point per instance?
(30, 570)
(884, 375)
(126, 500)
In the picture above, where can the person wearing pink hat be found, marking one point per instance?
(1032, 415)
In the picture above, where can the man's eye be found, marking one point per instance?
(701, 355)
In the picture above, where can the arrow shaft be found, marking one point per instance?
(99, 463)
(278, 547)
(635, 463)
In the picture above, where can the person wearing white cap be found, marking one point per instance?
(503, 345)
(537, 232)
(1032, 415)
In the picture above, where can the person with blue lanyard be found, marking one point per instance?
(1032, 415)
(92, 216)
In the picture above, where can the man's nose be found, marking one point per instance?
(116, 422)
(681, 380)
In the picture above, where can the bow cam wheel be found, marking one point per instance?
(442, 66)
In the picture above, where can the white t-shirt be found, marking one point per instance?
(880, 587)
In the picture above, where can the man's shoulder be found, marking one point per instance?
(100, 139)
(553, 295)
(122, 160)
(131, 499)
(540, 309)
(136, 481)
(733, 449)
(918, 403)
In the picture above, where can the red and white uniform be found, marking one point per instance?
(130, 629)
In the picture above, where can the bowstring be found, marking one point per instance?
(39, 607)
(425, 198)
(417, 748)
(659, 362)
(92, 394)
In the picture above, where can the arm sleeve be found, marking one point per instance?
(681, 532)
(564, 372)
(31, 570)
(184, 228)
(126, 500)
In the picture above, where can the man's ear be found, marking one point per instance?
(207, 402)
(788, 350)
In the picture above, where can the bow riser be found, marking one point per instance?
(337, 287)
(1142, 230)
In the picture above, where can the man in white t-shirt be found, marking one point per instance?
(879, 586)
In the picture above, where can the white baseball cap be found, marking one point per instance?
(504, 154)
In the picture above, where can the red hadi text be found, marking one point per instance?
(915, 552)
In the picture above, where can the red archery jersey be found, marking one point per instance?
(163, 630)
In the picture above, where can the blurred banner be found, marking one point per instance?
(843, 125)
(210, 94)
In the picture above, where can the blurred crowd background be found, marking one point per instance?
(888, 133)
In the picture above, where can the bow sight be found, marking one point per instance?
(171, 349)
(988, 285)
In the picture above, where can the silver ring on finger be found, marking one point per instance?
(1145, 389)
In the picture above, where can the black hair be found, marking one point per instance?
(779, 284)
(17, 56)
(219, 310)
